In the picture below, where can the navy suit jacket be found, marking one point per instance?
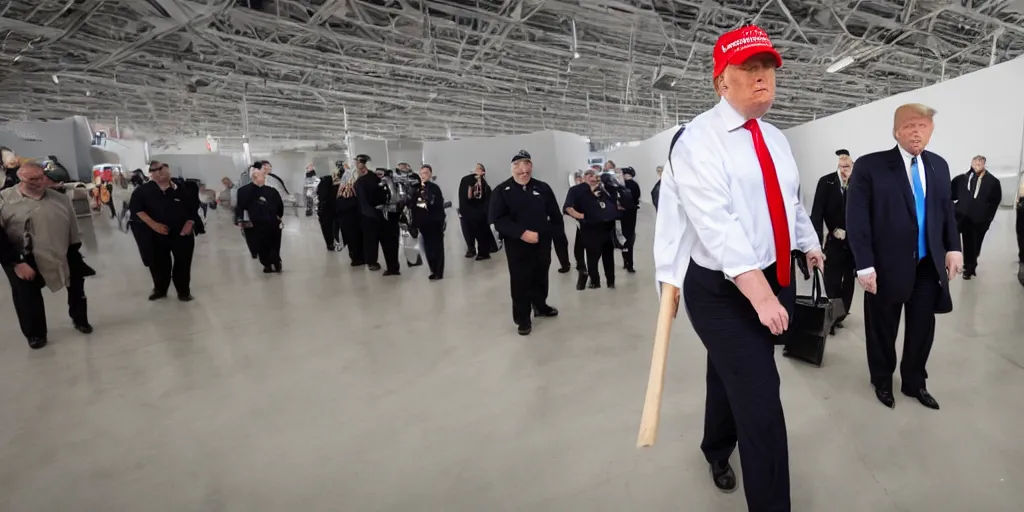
(881, 223)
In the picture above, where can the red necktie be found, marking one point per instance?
(776, 206)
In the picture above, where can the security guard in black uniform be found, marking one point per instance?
(378, 229)
(596, 210)
(628, 218)
(526, 214)
(830, 208)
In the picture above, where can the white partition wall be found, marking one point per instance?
(980, 113)
(645, 158)
(405, 151)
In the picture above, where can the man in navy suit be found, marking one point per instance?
(902, 231)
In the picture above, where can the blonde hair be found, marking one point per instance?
(845, 159)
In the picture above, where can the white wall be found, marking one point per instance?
(64, 139)
(645, 158)
(376, 149)
(979, 113)
(209, 168)
(554, 154)
(408, 151)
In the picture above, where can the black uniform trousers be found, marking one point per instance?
(382, 233)
(579, 252)
(432, 236)
(477, 233)
(1020, 232)
(742, 404)
(351, 227)
(628, 223)
(882, 323)
(171, 259)
(840, 274)
(528, 266)
(268, 242)
(597, 239)
(28, 302)
(972, 235)
(328, 228)
(561, 244)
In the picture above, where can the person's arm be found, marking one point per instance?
(551, 205)
(995, 196)
(569, 207)
(818, 209)
(859, 231)
(500, 215)
(241, 203)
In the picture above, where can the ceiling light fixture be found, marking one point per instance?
(54, 77)
(840, 64)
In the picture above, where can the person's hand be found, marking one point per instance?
(816, 260)
(839, 234)
(675, 298)
(869, 282)
(187, 230)
(25, 271)
(954, 264)
(530, 237)
(159, 228)
(773, 315)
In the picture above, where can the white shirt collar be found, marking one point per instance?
(732, 119)
(906, 155)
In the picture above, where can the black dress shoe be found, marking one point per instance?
(594, 285)
(278, 267)
(84, 328)
(546, 311)
(581, 281)
(186, 297)
(432, 277)
(373, 266)
(470, 254)
(357, 263)
(37, 342)
(268, 270)
(157, 295)
(525, 329)
(922, 395)
(723, 476)
(391, 273)
(565, 269)
(630, 270)
(884, 395)
(611, 284)
(483, 257)
(832, 331)
(967, 276)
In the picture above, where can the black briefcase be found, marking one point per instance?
(812, 320)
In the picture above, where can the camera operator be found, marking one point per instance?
(428, 217)
(596, 209)
(374, 195)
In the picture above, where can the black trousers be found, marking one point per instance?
(172, 260)
(1020, 233)
(432, 237)
(328, 228)
(971, 235)
(113, 212)
(384, 233)
(28, 303)
(351, 227)
(561, 245)
(477, 233)
(528, 266)
(742, 404)
(628, 223)
(597, 239)
(882, 323)
(268, 242)
(143, 239)
(840, 274)
(579, 251)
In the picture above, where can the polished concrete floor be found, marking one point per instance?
(329, 388)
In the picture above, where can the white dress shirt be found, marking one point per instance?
(907, 161)
(713, 207)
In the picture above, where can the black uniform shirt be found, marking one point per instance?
(427, 204)
(595, 209)
(517, 208)
(634, 190)
(263, 204)
(171, 207)
(370, 195)
(471, 205)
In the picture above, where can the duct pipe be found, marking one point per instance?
(995, 46)
(145, 152)
(246, 148)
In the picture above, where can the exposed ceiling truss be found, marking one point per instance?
(615, 70)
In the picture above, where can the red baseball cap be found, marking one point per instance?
(741, 44)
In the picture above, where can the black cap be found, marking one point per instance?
(521, 155)
(842, 152)
(364, 158)
(629, 170)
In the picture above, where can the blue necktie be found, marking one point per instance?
(915, 177)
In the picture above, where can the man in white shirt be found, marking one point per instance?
(729, 217)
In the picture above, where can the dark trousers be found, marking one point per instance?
(597, 239)
(381, 235)
(579, 251)
(840, 274)
(352, 235)
(742, 404)
(144, 240)
(477, 234)
(432, 237)
(28, 303)
(1020, 233)
(528, 266)
(268, 242)
(882, 323)
(328, 228)
(628, 223)
(113, 212)
(972, 235)
(172, 260)
(561, 245)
